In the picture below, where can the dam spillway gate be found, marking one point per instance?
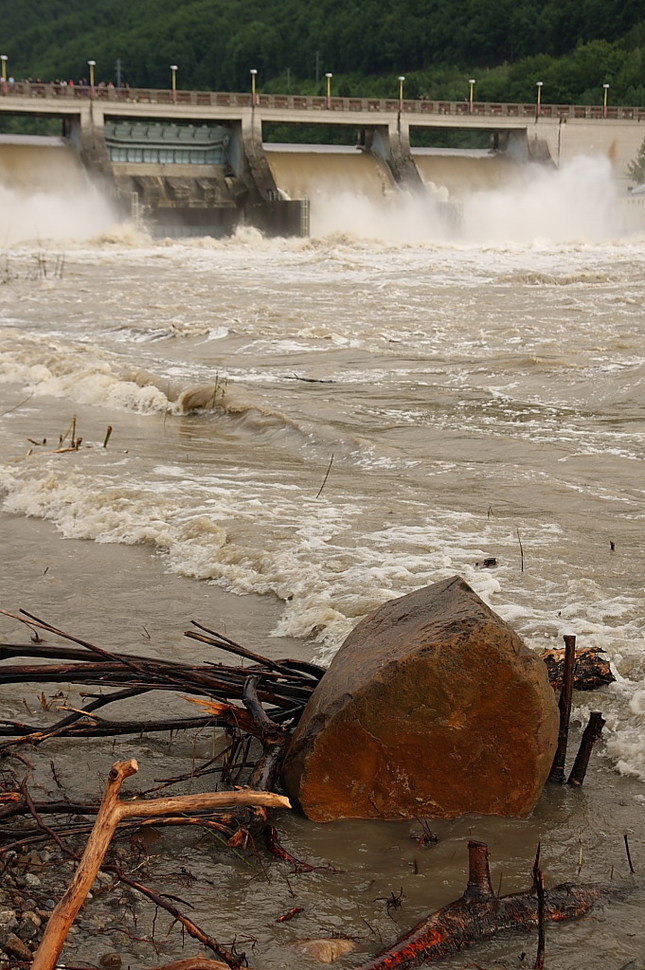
(190, 179)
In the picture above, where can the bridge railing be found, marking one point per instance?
(296, 102)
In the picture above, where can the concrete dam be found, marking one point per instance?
(196, 162)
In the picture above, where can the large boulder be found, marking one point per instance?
(433, 707)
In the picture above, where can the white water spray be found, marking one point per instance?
(576, 203)
(46, 195)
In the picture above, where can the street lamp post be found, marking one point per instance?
(604, 100)
(173, 82)
(4, 58)
(92, 65)
(401, 83)
(254, 73)
(471, 96)
(329, 76)
(538, 106)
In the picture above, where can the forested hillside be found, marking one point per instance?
(573, 46)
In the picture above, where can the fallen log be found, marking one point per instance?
(479, 915)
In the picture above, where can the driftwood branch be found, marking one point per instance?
(111, 813)
(194, 963)
(282, 687)
(161, 901)
(566, 696)
(33, 621)
(265, 773)
(479, 885)
(268, 731)
(67, 909)
(538, 889)
(478, 915)
(590, 735)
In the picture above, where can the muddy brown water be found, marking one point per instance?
(477, 383)
(238, 896)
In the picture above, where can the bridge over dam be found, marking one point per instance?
(196, 161)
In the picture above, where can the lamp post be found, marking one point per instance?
(471, 96)
(92, 65)
(173, 82)
(329, 76)
(401, 83)
(538, 106)
(4, 58)
(604, 100)
(254, 73)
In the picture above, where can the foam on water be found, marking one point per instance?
(79, 373)
(327, 569)
(330, 561)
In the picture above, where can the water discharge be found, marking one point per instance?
(471, 198)
(45, 193)
(577, 203)
(476, 382)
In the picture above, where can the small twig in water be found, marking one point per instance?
(590, 735)
(629, 855)
(16, 406)
(108, 432)
(521, 551)
(564, 707)
(539, 888)
(71, 431)
(324, 482)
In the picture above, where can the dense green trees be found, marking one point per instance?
(573, 46)
(636, 169)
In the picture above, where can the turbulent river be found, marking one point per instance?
(462, 392)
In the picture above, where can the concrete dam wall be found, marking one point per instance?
(195, 162)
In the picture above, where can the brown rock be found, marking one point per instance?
(111, 960)
(433, 707)
(325, 950)
(15, 947)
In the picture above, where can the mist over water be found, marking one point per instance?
(80, 214)
(576, 203)
(45, 194)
